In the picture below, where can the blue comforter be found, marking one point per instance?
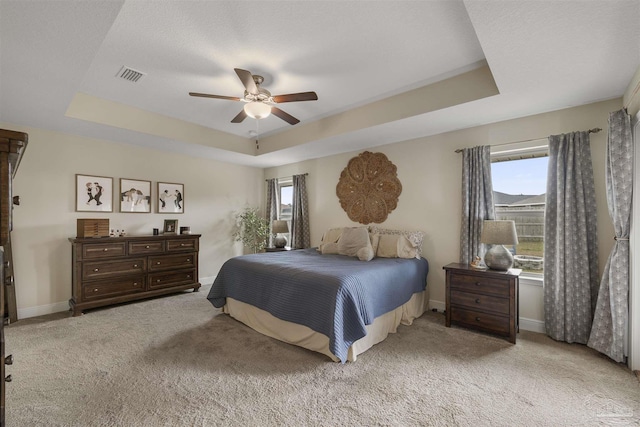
(335, 295)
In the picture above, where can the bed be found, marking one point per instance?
(334, 304)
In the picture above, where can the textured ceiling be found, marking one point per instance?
(384, 71)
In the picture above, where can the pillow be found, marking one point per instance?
(352, 240)
(329, 248)
(395, 246)
(415, 237)
(366, 253)
(332, 235)
(375, 239)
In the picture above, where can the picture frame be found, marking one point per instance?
(170, 198)
(135, 195)
(94, 193)
(170, 226)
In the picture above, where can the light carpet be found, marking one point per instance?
(176, 361)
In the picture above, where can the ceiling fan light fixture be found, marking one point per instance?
(257, 110)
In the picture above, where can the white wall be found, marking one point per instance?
(46, 217)
(430, 173)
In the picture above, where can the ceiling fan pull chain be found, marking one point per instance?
(257, 134)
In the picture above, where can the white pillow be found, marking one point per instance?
(366, 253)
(352, 240)
(396, 246)
(329, 248)
(332, 235)
(414, 237)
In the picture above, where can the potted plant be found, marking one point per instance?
(251, 229)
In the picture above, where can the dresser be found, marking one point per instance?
(113, 270)
(12, 147)
(483, 300)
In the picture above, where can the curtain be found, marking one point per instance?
(477, 200)
(300, 235)
(609, 327)
(570, 240)
(272, 205)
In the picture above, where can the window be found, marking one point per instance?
(519, 186)
(285, 190)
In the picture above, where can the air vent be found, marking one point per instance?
(130, 74)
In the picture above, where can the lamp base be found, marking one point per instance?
(498, 258)
(280, 241)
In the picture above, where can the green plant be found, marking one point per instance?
(251, 229)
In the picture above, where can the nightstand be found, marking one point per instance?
(286, 248)
(485, 300)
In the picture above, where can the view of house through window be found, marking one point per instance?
(286, 199)
(519, 188)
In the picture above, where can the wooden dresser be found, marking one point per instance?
(12, 147)
(483, 300)
(112, 270)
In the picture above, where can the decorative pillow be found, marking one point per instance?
(329, 248)
(352, 239)
(395, 246)
(415, 237)
(375, 240)
(366, 253)
(332, 235)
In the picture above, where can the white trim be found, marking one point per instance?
(634, 257)
(532, 325)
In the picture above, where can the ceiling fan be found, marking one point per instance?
(259, 101)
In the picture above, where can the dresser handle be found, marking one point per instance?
(188, 259)
(135, 265)
(146, 247)
(158, 281)
(188, 276)
(7, 264)
(9, 280)
(95, 270)
(8, 360)
(477, 319)
(477, 300)
(181, 244)
(105, 249)
(135, 284)
(95, 290)
(158, 263)
(478, 283)
(8, 378)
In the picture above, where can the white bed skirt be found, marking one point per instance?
(300, 335)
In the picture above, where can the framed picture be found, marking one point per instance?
(135, 195)
(94, 193)
(170, 198)
(170, 225)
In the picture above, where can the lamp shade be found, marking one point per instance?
(257, 110)
(499, 233)
(279, 226)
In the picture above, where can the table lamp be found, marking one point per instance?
(278, 228)
(497, 234)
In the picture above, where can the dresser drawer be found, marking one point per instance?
(162, 280)
(103, 250)
(98, 270)
(182, 245)
(477, 319)
(164, 262)
(480, 284)
(143, 248)
(113, 288)
(480, 302)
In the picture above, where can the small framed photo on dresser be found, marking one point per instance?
(170, 197)
(170, 226)
(94, 193)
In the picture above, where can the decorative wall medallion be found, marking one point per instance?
(369, 188)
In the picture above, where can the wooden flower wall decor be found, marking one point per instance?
(369, 188)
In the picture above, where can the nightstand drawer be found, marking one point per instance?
(480, 284)
(480, 302)
(476, 319)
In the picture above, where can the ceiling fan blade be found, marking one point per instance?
(284, 116)
(206, 95)
(293, 97)
(240, 117)
(247, 80)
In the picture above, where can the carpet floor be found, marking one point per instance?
(177, 361)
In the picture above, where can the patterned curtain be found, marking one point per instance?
(300, 235)
(570, 240)
(609, 327)
(272, 204)
(477, 200)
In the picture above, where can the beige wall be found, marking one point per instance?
(429, 170)
(46, 217)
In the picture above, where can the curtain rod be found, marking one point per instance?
(283, 177)
(594, 130)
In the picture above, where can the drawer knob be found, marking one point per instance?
(7, 264)
(478, 283)
(158, 263)
(135, 265)
(188, 259)
(135, 284)
(95, 269)
(147, 247)
(105, 249)
(477, 300)
(95, 290)
(188, 276)
(158, 281)
(8, 378)
(9, 280)
(181, 244)
(477, 319)
(8, 360)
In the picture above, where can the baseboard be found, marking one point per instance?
(525, 324)
(41, 310)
